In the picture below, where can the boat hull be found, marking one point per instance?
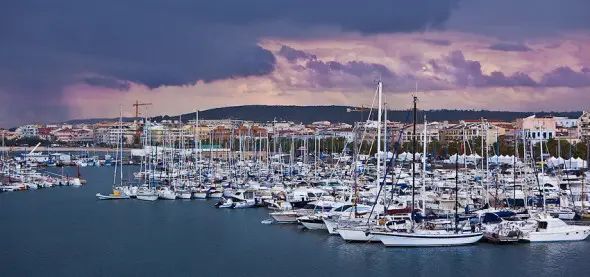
(200, 195)
(398, 239)
(111, 197)
(147, 197)
(216, 195)
(281, 217)
(184, 196)
(352, 235)
(574, 235)
(313, 224)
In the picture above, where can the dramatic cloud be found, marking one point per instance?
(107, 83)
(50, 50)
(515, 47)
(440, 42)
(521, 19)
(50, 44)
(566, 77)
(292, 55)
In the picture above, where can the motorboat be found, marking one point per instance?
(551, 229)
(113, 196)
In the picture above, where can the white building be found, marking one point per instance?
(28, 131)
(565, 122)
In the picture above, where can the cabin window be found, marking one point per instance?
(542, 225)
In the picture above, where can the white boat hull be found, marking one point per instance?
(216, 195)
(331, 226)
(431, 239)
(184, 196)
(352, 235)
(111, 197)
(281, 217)
(167, 196)
(200, 195)
(152, 197)
(574, 235)
(313, 225)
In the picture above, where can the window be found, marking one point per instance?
(542, 225)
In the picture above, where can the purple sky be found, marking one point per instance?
(79, 59)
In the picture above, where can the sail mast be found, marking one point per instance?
(414, 158)
(379, 112)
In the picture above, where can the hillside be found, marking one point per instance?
(308, 114)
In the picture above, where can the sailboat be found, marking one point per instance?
(147, 192)
(117, 192)
(430, 234)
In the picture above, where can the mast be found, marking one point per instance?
(423, 193)
(379, 111)
(414, 157)
(456, 195)
(121, 148)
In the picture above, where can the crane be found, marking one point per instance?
(136, 105)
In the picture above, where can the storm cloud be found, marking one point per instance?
(47, 45)
(510, 47)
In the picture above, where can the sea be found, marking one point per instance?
(66, 231)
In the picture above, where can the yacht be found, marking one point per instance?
(166, 193)
(429, 236)
(551, 229)
(147, 194)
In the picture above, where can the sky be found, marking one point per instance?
(74, 59)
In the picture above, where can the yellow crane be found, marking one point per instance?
(137, 105)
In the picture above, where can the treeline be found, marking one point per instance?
(309, 114)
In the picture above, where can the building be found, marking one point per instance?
(74, 136)
(536, 129)
(584, 126)
(570, 134)
(28, 131)
(45, 133)
(471, 131)
(565, 122)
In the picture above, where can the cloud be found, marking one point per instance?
(464, 73)
(439, 42)
(510, 47)
(509, 19)
(180, 43)
(566, 77)
(333, 74)
(106, 82)
(292, 55)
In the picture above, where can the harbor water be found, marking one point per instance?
(66, 231)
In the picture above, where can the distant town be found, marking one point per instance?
(443, 137)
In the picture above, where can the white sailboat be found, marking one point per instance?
(427, 235)
(118, 193)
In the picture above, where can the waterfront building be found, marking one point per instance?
(28, 131)
(536, 129)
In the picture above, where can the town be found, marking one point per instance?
(565, 137)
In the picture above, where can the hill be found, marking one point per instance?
(309, 114)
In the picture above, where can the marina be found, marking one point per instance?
(405, 199)
(66, 231)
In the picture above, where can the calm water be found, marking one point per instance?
(67, 232)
